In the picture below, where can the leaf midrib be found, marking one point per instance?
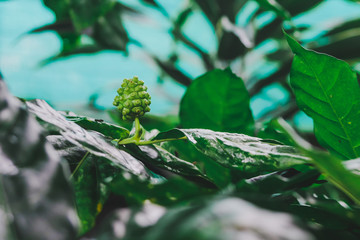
(332, 107)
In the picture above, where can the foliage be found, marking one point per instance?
(220, 174)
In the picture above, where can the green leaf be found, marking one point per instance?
(272, 5)
(172, 191)
(327, 90)
(86, 13)
(246, 156)
(337, 174)
(225, 218)
(87, 192)
(217, 100)
(108, 129)
(35, 196)
(217, 173)
(156, 156)
(94, 142)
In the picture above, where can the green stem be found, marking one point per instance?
(139, 143)
(137, 135)
(79, 165)
(160, 140)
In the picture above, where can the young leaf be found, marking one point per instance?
(327, 90)
(35, 196)
(217, 100)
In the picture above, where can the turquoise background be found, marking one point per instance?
(68, 84)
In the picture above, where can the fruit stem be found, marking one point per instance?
(138, 131)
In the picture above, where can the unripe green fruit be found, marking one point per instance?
(133, 101)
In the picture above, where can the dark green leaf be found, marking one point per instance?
(109, 31)
(219, 101)
(93, 142)
(35, 196)
(221, 176)
(158, 157)
(173, 71)
(230, 47)
(275, 7)
(225, 219)
(60, 8)
(337, 174)
(250, 156)
(87, 192)
(327, 90)
(166, 193)
(85, 13)
(108, 129)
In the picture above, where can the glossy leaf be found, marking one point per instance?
(108, 129)
(217, 100)
(327, 90)
(35, 196)
(250, 156)
(95, 143)
(158, 157)
(220, 175)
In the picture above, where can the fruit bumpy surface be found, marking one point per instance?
(133, 101)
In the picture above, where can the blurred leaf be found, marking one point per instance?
(217, 100)
(343, 46)
(166, 193)
(173, 71)
(327, 90)
(230, 47)
(250, 156)
(60, 8)
(93, 142)
(278, 182)
(35, 196)
(275, 7)
(295, 7)
(85, 13)
(282, 131)
(109, 31)
(108, 129)
(337, 174)
(135, 220)
(226, 219)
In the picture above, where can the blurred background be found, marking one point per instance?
(75, 54)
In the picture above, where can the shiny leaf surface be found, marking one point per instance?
(95, 143)
(327, 90)
(249, 155)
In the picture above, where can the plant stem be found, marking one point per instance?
(137, 135)
(79, 165)
(160, 140)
